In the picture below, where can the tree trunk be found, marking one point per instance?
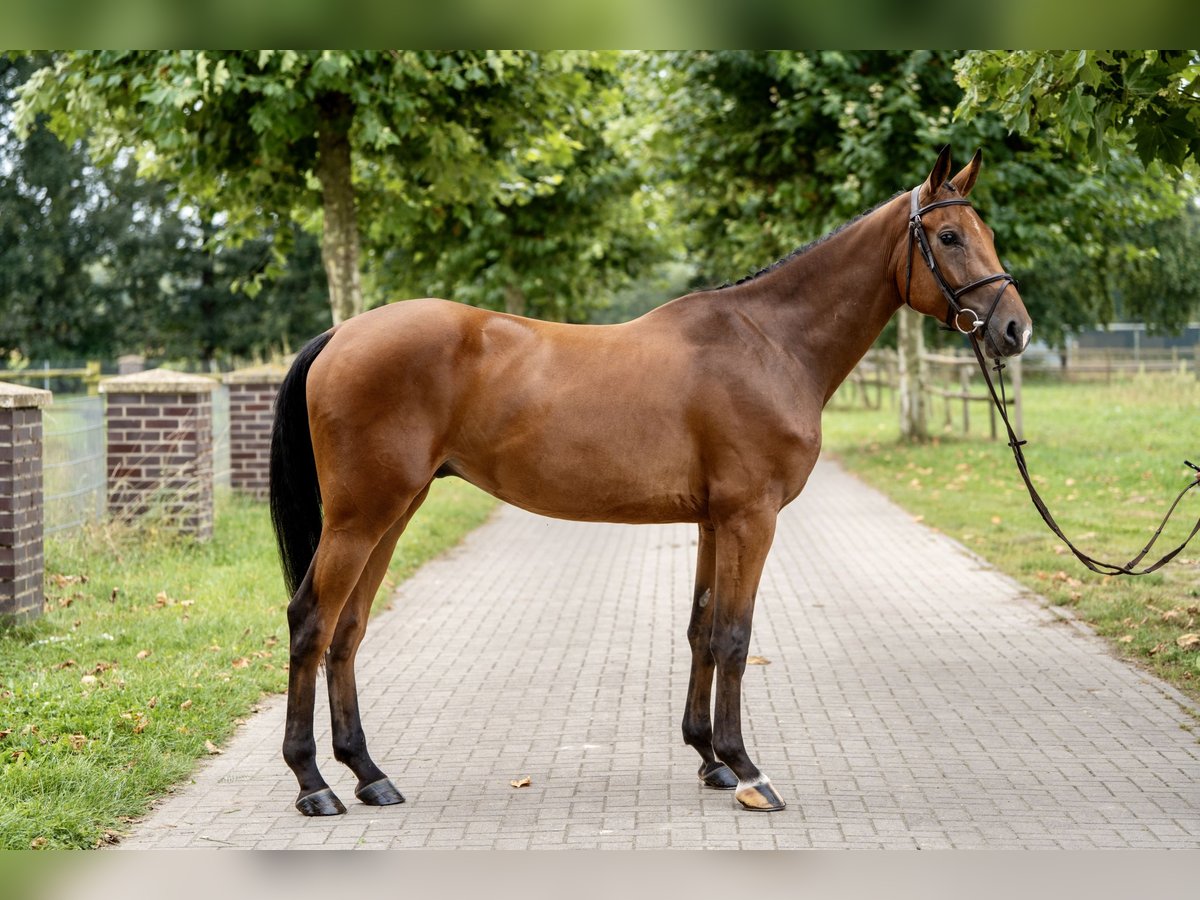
(339, 237)
(914, 425)
(514, 300)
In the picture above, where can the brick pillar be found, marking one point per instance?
(21, 510)
(251, 415)
(160, 448)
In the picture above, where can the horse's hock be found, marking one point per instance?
(21, 588)
(160, 448)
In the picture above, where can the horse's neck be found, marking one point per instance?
(826, 306)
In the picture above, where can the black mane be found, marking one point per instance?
(800, 251)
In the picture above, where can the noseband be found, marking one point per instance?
(954, 311)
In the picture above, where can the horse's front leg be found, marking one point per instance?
(697, 721)
(742, 544)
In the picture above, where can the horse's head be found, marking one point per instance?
(950, 269)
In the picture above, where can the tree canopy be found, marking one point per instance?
(544, 183)
(770, 150)
(392, 138)
(1094, 101)
(96, 261)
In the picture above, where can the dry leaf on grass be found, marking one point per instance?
(211, 747)
(142, 654)
(1190, 641)
(757, 661)
(521, 782)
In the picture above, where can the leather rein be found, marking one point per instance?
(954, 313)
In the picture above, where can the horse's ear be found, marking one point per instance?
(941, 172)
(965, 180)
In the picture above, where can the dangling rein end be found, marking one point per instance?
(1015, 443)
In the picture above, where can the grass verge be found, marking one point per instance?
(151, 652)
(1107, 458)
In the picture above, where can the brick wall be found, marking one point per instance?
(251, 416)
(21, 511)
(160, 449)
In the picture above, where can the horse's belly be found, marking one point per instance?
(596, 487)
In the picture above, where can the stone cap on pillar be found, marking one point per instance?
(270, 373)
(159, 381)
(17, 396)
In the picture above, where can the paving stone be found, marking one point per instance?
(915, 698)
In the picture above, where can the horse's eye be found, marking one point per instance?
(948, 238)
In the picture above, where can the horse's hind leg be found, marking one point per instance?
(349, 741)
(697, 723)
(312, 618)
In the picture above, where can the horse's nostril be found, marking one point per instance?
(1013, 335)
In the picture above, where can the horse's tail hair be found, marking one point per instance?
(295, 493)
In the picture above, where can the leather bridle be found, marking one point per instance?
(954, 310)
(954, 313)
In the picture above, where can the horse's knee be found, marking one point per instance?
(730, 646)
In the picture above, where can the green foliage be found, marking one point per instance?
(439, 140)
(152, 649)
(557, 242)
(770, 150)
(96, 261)
(1097, 102)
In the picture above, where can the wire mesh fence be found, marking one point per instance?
(73, 462)
(73, 438)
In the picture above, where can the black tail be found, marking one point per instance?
(295, 493)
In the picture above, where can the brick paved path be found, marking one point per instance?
(915, 698)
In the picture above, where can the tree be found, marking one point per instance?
(95, 261)
(773, 149)
(1094, 101)
(556, 250)
(388, 137)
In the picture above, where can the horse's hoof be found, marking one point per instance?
(320, 803)
(379, 793)
(717, 775)
(759, 796)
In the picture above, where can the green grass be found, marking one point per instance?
(152, 651)
(1108, 461)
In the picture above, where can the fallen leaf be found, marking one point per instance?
(1125, 639)
(186, 704)
(112, 598)
(5, 733)
(1189, 641)
(88, 679)
(521, 782)
(1158, 648)
(996, 520)
(66, 664)
(211, 747)
(77, 741)
(142, 654)
(152, 702)
(240, 663)
(38, 843)
(757, 661)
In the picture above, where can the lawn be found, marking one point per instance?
(152, 650)
(1107, 458)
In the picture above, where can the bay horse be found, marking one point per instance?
(705, 410)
